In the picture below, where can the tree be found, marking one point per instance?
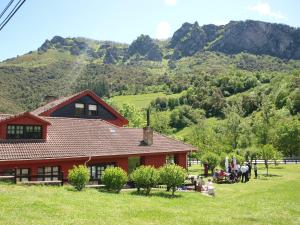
(173, 176)
(184, 115)
(294, 102)
(211, 159)
(145, 177)
(134, 116)
(160, 122)
(266, 153)
(263, 122)
(79, 176)
(233, 126)
(114, 179)
(287, 138)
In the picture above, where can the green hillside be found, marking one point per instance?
(217, 101)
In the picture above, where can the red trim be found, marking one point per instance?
(24, 115)
(24, 119)
(120, 121)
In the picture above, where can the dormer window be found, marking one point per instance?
(93, 110)
(24, 132)
(79, 109)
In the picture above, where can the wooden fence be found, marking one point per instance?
(258, 161)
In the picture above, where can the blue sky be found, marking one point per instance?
(124, 20)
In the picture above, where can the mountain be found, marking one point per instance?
(243, 50)
(254, 37)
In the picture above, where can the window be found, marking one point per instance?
(48, 173)
(23, 174)
(79, 109)
(96, 171)
(170, 159)
(24, 132)
(93, 110)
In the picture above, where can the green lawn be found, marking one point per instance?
(272, 200)
(140, 101)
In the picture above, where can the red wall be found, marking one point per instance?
(155, 160)
(181, 159)
(67, 164)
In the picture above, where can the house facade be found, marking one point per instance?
(80, 129)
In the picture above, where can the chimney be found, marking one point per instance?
(147, 131)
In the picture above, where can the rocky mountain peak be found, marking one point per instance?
(145, 47)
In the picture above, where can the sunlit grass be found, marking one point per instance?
(272, 200)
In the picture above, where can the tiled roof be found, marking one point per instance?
(4, 116)
(52, 104)
(72, 138)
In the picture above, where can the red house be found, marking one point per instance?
(80, 129)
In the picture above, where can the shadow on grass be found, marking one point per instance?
(157, 194)
(277, 167)
(271, 175)
(72, 189)
(103, 190)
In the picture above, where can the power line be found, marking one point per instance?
(11, 14)
(4, 10)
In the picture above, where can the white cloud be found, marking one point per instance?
(163, 30)
(264, 9)
(171, 2)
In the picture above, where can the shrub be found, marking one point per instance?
(145, 177)
(79, 176)
(173, 176)
(114, 179)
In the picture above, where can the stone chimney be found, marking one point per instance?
(147, 131)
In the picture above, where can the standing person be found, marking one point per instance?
(255, 170)
(249, 170)
(244, 170)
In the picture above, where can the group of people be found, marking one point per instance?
(207, 188)
(245, 171)
(235, 172)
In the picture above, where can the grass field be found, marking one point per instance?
(272, 200)
(140, 101)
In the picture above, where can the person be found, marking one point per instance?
(255, 170)
(210, 188)
(244, 170)
(200, 184)
(216, 175)
(229, 168)
(249, 170)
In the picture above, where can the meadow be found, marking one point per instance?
(140, 101)
(266, 200)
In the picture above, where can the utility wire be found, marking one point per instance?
(12, 13)
(4, 10)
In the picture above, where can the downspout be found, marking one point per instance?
(90, 157)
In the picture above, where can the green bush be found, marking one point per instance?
(114, 179)
(173, 176)
(79, 176)
(145, 177)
